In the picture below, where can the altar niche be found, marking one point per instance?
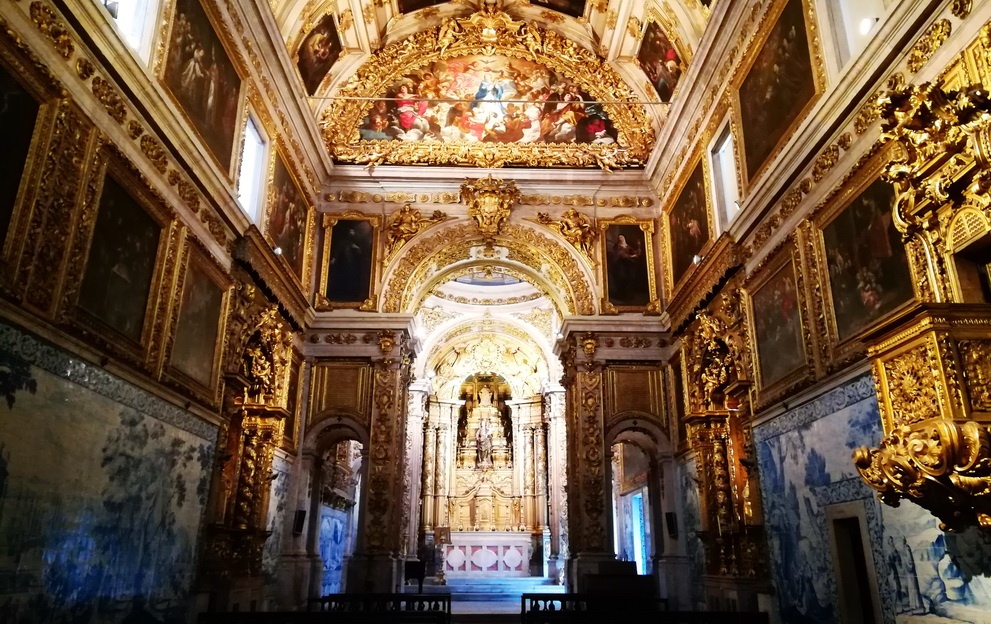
(485, 427)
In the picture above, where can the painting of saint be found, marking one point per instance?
(688, 223)
(627, 269)
(487, 99)
(777, 88)
(317, 54)
(868, 268)
(408, 6)
(574, 8)
(121, 264)
(289, 430)
(18, 114)
(198, 328)
(287, 217)
(350, 270)
(202, 78)
(778, 326)
(659, 60)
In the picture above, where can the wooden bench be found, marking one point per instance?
(586, 609)
(351, 609)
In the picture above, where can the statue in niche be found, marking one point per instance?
(463, 423)
(483, 442)
(506, 417)
(485, 397)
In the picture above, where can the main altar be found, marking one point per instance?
(488, 532)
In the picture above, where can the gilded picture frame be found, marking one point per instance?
(288, 217)
(661, 55)
(778, 325)
(198, 321)
(126, 322)
(195, 79)
(628, 271)
(688, 222)
(349, 271)
(319, 48)
(294, 401)
(759, 74)
(859, 259)
(32, 85)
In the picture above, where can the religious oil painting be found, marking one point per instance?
(408, 6)
(292, 402)
(778, 326)
(287, 217)
(18, 114)
(487, 99)
(317, 54)
(202, 78)
(778, 87)
(197, 334)
(348, 255)
(688, 223)
(660, 61)
(627, 252)
(868, 269)
(120, 269)
(574, 8)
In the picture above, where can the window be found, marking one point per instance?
(251, 179)
(725, 189)
(134, 19)
(854, 23)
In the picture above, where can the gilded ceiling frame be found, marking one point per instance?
(416, 265)
(489, 34)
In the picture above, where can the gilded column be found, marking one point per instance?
(429, 461)
(440, 474)
(540, 447)
(528, 478)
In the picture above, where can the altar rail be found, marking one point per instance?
(585, 609)
(351, 609)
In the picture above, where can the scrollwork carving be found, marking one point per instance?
(575, 227)
(406, 223)
(489, 202)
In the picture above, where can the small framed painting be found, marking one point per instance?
(777, 321)
(628, 267)
(287, 219)
(317, 54)
(659, 59)
(349, 252)
(198, 330)
(689, 223)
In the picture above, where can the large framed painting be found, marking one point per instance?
(198, 72)
(574, 8)
(197, 343)
(18, 117)
(628, 267)
(408, 6)
(288, 216)
(349, 260)
(318, 52)
(659, 59)
(783, 81)
(487, 99)
(119, 290)
(860, 254)
(689, 226)
(777, 322)
(289, 431)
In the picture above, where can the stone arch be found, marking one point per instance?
(332, 426)
(642, 429)
(559, 267)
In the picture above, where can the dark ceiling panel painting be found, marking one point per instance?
(574, 8)
(408, 6)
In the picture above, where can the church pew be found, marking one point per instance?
(588, 609)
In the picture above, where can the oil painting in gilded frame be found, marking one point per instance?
(782, 82)
(689, 223)
(320, 49)
(574, 8)
(202, 79)
(293, 402)
(349, 261)
(120, 282)
(287, 217)
(628, 267)
(18, 119)
(776, 317)
(861, 256)
(659, 59)
(197, 340)
(408, 6)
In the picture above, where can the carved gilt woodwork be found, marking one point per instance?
(489, 202)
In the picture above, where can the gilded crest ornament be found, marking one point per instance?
(489, 202)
